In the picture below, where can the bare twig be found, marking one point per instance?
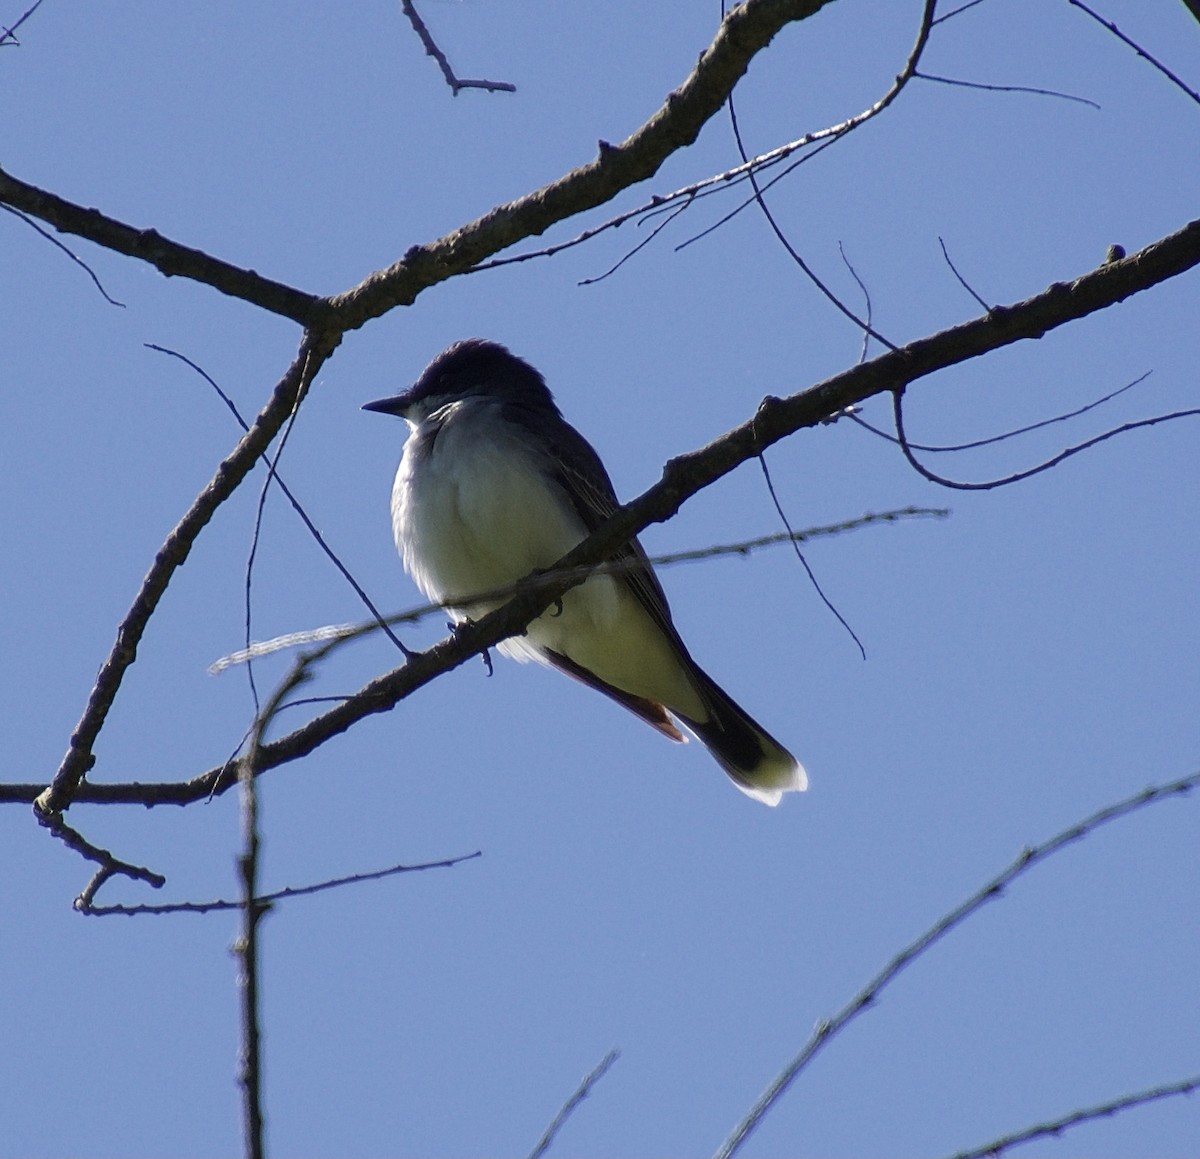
(431, 48)
(110, 866)
(79, 757)
(7, 37)
(974, 84)
(581, 1092)
(742, 35)
(1193, 7)
(1017, 477)
(67, 250)
(265, 899)
(167, 256)
(866, 336)
(335, 634)
(312, 528)
(793, 539)
(1056, 1127)
(975, 443)
(906, 73)
(253, 909)
(991, 891)
(961, 280)
(661, 203)
(957, 11)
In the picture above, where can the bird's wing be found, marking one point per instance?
(577, 469)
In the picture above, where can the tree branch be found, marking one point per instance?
(868, 996)
(79, 758)
(682, 477)
(746, 31)
(170, 258)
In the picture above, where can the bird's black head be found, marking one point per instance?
(474, 367)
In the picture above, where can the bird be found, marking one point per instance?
(493, 486)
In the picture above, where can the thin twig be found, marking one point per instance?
(340, 633)
(957, 11)
(65, 249)
(717, 182)
(906, 73)
(866, 337)
(1017, 477)
(266, 899)
(1056, 1127)
(961, 280)
(80, 757)
(312, 528)
(812, 579)
(253, 910)
(991, 891)
(431, 48)
(7, 36)
(1162, 68)
(581, 1092)
(974, 84)
(110, 865)
(670, 217)
(975, 443)
(168, 257)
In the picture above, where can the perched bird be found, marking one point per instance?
(493, 485)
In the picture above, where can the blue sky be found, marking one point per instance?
(1030, 659)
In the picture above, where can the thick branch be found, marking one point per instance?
(747, 30)
(168, 257)
(683, 477)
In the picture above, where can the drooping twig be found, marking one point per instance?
(431, 48)
(311, 527)
(961, 280)
(168, 257)
(663, 203)
(990, 88)
(1028, 473)
(991, 439)
(581, 1092)
(991, 891)
(793, 539)
(68, 251)
(906, 73)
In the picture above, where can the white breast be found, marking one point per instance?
(475, 513)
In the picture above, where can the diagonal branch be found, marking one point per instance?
(991, 891)
(745, 32)
(79, 758)
(170, 258)
(682, 478)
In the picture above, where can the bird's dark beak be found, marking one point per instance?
(389, 406)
